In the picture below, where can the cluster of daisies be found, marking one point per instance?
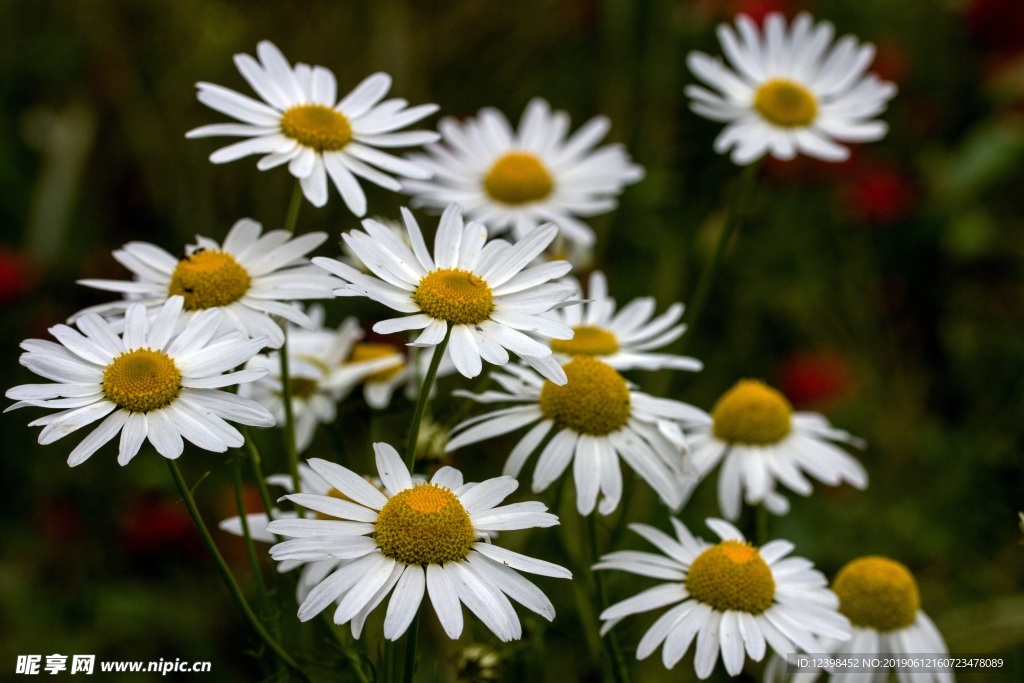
(222, 334)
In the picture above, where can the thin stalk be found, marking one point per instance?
(293, 208)
(341, 641)
(611, 642)
(289, 419)
(250, 547)
(257, 471)
(421, 402)
(410, 649)
(739, 200)
(229, 579)
(761, 537)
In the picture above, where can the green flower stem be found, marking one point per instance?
(410, 649)
(739, 200)
(257, 471)
(229, 579)
(421, 402)
(343, 643)
(611, 642)
(289, 419)
(250, 547)
(293, 208)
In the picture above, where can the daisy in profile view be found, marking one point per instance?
(789, 90)
(302, 123)
(518, 180)
(249, 278)
(482, 294)
(729, 598)
(627, 339)
(416, 539)
(760, 441)
(161, 379)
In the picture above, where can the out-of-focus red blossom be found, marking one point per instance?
(891, 62)
(881, 193)
(815, 379)
(19, 275)
(758, 10)
(156, 525)
(60, 521)
(804, 170)
(997, 25)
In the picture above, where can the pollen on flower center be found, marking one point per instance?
(455, 296)
(587, 341)
(318, 126)
(732, 576)
(518, 178)
(142, 380)
(752, 413)
(302, 387)
(786, 103)
(209, 278)
(594, 400)
(426, 524)
(365, 351)
(878, 593)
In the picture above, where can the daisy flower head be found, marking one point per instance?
(521, 179)
(789, 90)
(482, 294)
(731, 597)
(596, 419)
(301, 122)
(414, 538)
(880, 598)
(624, 340)
(761, 441)
(249, 278)
(159, 380)
(318, 379)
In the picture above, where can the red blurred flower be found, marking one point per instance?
(997, 25)
(759, 9)
(18, 275)
(155, 525)
(814, 378)
(881, 193)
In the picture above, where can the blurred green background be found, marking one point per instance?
(886, 292)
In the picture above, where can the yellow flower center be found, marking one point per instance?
(209, 278)
(363, 352)
(518, 178)
(594, 401)
(426, 524)
(877, 593)
(785, 103)
(456, 296)
(142, 380)
(302, 387)
(752, 413)
(318, 126)
(587, 341)
(732, 576)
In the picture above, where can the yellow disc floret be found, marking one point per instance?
(785, 103)
(303, 387)
(752, 413)
(426, 524)
(587, 341)
(518, 178)
(877, 593)
(142, 380)
(455, 296)
(318, 126)
(207, 279)
(594, 401)
(732, 576)
(365, 351)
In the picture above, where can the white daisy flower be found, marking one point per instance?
(153, 381)
(880, 598)
(417, 538)
(624, 340)
(596, 418)
(729, 597)
(519, 180)
(406, 369)
(318, 378)
(311, 573)
(789, 91)
(302, 123)
(482, 290)
(762, 441)
(250, 278)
